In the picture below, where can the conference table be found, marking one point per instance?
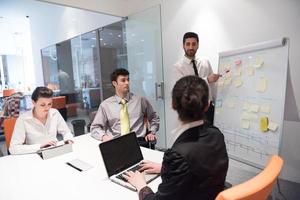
(30, 177)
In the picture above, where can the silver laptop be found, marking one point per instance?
(120, 155)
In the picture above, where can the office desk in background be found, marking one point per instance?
(28, 177)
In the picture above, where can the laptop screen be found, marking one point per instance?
(120, 153)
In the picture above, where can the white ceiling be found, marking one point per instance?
(120, 8)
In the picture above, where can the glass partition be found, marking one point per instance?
(113, 53)
(86, 68)
(144, 53)
(50, 67)
(80, 68)
(72, 69)
(85, 61)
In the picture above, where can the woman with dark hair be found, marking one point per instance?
(196, 165)
(38, 128)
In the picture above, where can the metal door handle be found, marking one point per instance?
(159, 90)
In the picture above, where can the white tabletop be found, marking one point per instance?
(29, 177)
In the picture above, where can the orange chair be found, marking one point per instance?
(8, 128)
(8, 92)
(59, 102)
(257, 188)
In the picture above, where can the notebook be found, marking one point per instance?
(120, 155)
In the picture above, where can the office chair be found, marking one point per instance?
(148, 144)
(59, 103)
(8, 128)
(8, 92)
(11, 105)
(142, 142)
(257, 188)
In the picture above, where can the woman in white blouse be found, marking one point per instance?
(38, 128)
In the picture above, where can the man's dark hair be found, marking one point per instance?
(190, 98)
(41, 92)
(190, 35)
(118, 72)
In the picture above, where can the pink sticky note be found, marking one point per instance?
(238, 62)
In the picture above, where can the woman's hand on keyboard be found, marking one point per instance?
(150, 167)
(136, 179)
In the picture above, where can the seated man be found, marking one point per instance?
(124, 112)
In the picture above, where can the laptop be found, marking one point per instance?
(120, 155)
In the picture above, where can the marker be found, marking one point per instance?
(226, 71)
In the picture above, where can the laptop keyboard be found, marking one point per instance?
(135, 168)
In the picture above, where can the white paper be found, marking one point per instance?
(273, 126)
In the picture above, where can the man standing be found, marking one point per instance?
(124, 112)
(190, 65)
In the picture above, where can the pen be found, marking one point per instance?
(74, 166)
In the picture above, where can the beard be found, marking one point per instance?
(190, 53)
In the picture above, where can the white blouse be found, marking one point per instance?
(184, 67)
(29, 133)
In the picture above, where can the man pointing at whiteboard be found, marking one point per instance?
(190, 65)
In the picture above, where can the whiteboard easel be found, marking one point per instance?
(249, 106)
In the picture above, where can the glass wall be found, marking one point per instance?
(113, 53)
(144, 53)
(50, 67)
(80, 68)
(86, 69)
(72, 69)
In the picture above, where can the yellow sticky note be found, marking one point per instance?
(228, 67)
(238, 72)
(263, 124)
(273, 126)
(265, 109)
(238, 83)
(250, 71)
(245, 124)
(254, 108)
(220, 83)
(227, 81)
(253, 116)
(262, 85)
(228, 75)
(246, 116)
(222, 66)
(259, 63)
(246, 106)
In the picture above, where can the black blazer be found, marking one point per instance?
(194, 168)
